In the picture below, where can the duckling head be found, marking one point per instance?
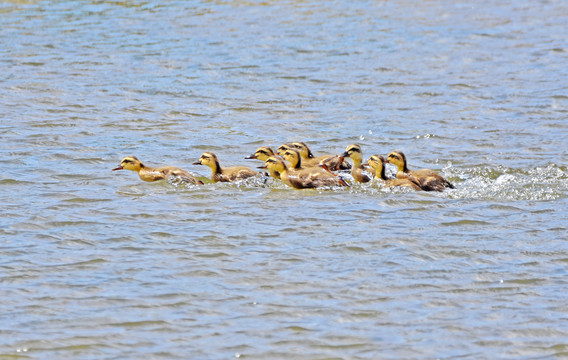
(209, 159)
(262, 153)
(304, 150)
(377, 162)
(398, 159)
(282, 148)
(275, 164)
(354, 152)
(130, 163)
(293, 157)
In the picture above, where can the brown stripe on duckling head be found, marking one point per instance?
(210, 158)
(274, 161)
(265, 150)
(128, 160)
(302, 145)
(282, 148)
(131, 160)
(351, 149)
(398, 155)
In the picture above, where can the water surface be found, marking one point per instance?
(99, 265)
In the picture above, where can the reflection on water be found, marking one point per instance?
(97, 264)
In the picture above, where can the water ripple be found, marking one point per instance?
(97, 264)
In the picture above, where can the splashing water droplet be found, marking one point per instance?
(503, 179)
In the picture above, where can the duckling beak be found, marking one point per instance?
(345, 154)
(262, 167)
(250, 157)
(118, 168)
(198, 162)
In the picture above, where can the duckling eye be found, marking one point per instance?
(263, 152)
(394, 156)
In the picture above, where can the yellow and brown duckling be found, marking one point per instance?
(262, 154)
(429, 180)
(147, 173)
(310, 178)
(354, 152)
(282, 148)
(297, 163)
(378, 163)
(295, 160)
(224, 174)
(331, 162)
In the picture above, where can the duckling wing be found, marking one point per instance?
(149, 174)
(431, 181)
(181, 174)
(239, 173)
(294, 180)
(317, 177)
(359, 175)
(404, 182)
(431, 184)
(424, 173)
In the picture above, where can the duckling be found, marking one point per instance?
(297, 163)
(294, 158)
(357, 171)
(331, 162)
(378, 163)
(263, 153)
(224, 175)
(305, 178)
(429, 180)
(147, 173)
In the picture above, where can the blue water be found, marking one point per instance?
(96, 264)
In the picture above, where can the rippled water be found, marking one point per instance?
(97, 264)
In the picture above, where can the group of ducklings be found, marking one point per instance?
(296, 166)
